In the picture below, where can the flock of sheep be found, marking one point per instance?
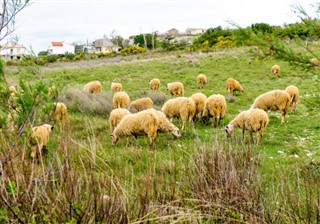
(140, 118)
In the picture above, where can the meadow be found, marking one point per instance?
(202, 176)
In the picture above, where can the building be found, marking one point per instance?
(195, 31)
(12, 51)
(61, 48)
(105, 46)
(172, 32)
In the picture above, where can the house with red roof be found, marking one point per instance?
(61, 48)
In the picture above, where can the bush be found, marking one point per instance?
(157, 97)
(132, 50)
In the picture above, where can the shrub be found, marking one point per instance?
(132, 50)
(157, 97)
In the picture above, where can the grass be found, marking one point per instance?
(176, 183)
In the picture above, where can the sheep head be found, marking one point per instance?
(229, 130)
(205, 119)
(176, 132)
(114, 139)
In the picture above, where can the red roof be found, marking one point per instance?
(57, 44)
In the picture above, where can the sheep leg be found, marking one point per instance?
(251, 137)
(294, 107)
(243, 130)
(284, 112)
(183, 123)
(259, 137)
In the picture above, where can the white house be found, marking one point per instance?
(61, 48)
(12, 51)
(195, 31)
(105, 46)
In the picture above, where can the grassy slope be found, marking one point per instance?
(300, 132)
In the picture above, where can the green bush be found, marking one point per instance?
(132, 50)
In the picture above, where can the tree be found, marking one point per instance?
(117, 39)
(8, 11)
(141, 39)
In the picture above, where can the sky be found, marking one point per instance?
(72, 21)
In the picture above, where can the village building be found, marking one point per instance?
(61, 48)
(12, 51)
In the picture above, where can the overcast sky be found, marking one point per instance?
(86, 20)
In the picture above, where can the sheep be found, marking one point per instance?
(165, 125)
(52, 91)
(315, 61)
(182, 107)
(116, 87)
(294, 94)
(60, 113)
(93, 87)
(115, 117)
(154, 84)
(140, 104)
(201, 80)
(215, 106)
(253, 120)
(39, 138)
(200, 100)
(175, 89)
(275, 69)
(12, 90)
(273, 100)
(141, 123)
(120, 100)
(233, 85)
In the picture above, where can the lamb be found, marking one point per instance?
(175, 89)
(181, 107)
(154, 84)
(201, 80)
(140, 104)
(253, 120)
(115, 117)
(120, 100)
(12, 90)
(200, 100)
(60, 113)
(275, 69)
(141, 123)
(215, 106)
(233, 85)
(273, 100)
(116, 87)
(93, 87)
(165, 125)
(39, 138)
(294, 94)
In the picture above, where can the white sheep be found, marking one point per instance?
(233, 85)
(294, 94)
(215, 106)
(141, 123)
(175, 89)
(93, 87)
(60, 113)
(141, 104)
(200, 101)
(12, 90)
(39, 138)
(120, 100)
(165, 125)
(275, 69)
(273, 100)
(115, 117)
(253, 120)
(201, 80)
(180, 107)
(154, 84)
(116, 87)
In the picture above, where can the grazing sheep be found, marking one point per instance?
(60, 113)
(215, 107)
(275, 69)
(200, 100)
(273, 100)
(201, 80)
(175, 89)
(294, 94)
(52, 91)
(253, 120)
(140, 104)
(120, 100)
(12, 90)
(39, 138)
(165, 125)
(93, 87)
(141, 123)
(181, 107)
(116, 87)
(233, 85)
(115, 117)
(154, 84)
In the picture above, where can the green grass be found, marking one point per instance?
(284, 148)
